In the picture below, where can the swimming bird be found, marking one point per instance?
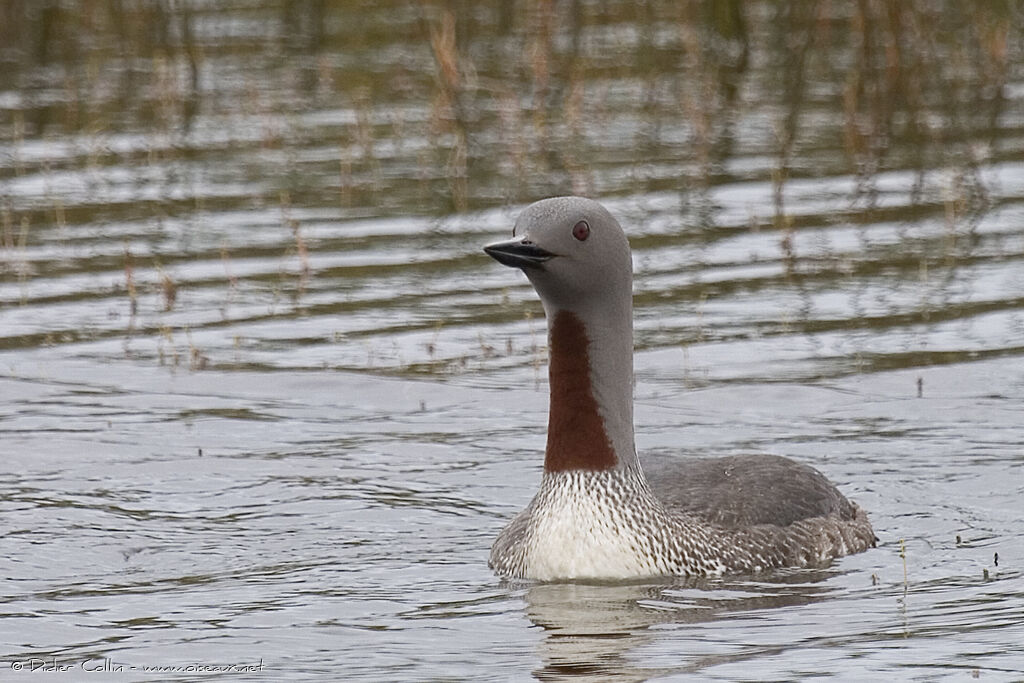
(598, 515)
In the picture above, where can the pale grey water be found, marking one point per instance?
(263, 400)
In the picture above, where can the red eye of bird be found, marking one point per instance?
(581, 230)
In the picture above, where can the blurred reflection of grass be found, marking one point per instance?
(432, 108)
(142, 142)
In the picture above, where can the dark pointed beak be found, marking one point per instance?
(518, 253)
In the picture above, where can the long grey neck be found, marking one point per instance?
(590, 425)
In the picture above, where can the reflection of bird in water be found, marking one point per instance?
(596, 516)
(593, 631)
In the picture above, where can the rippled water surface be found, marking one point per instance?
(264, 403)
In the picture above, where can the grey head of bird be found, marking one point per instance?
(573, 251)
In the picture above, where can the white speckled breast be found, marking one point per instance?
(577, 527)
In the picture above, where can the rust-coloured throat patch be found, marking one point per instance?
(577, 439)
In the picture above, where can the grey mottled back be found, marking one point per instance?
(744, 490)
